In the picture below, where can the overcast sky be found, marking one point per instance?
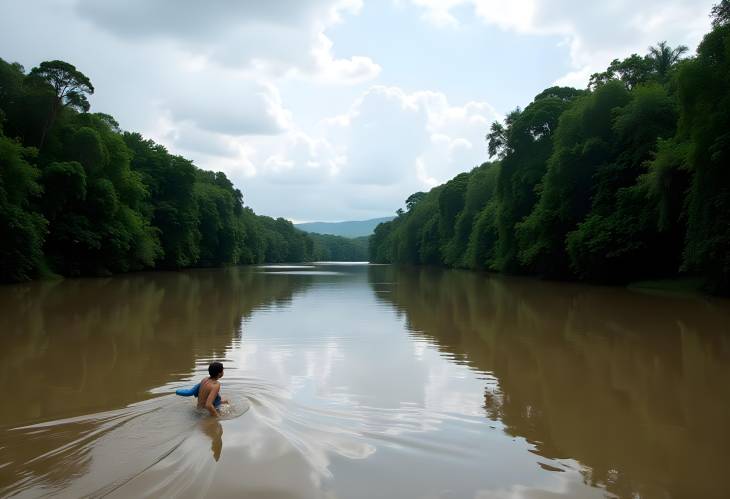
(333, 109)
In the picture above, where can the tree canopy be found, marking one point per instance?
(78, 196)
(624, 181)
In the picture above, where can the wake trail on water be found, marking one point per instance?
(148, 444)
(116, 445)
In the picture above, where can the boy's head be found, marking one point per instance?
(215, 369)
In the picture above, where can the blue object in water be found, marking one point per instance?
(193, 392)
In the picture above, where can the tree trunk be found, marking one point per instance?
(49, 123)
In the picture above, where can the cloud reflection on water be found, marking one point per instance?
(370, 383)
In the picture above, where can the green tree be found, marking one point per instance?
(720, 14)
(583, 142)
(69, 85)
(704, 99)
(621, 238)
(497, 138)
(413, 199)
(625, 181)
(479, 190)
(664, 57)
(11, 90)
(22, 229)
(172, 207)
(113, 201)
(528, 146)
(483, 238)
(633, 71)
(97, 223)
(380, 243)
(219, 207)
(327, 247)
(451, 202)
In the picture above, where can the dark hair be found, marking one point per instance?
(214, 369)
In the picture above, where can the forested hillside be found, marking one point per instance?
(627, 180)
(353, 228)
(79, 196)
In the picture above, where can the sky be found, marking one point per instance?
(330, 110)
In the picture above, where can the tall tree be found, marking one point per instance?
(583, 142)
(413, 199)
(720, 14)
(620, 237)
(633, 71)
(69, 85)
(497, 140)
(664, 57)
(529, 145)
(172, 204)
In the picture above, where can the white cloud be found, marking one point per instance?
(208, 149)
(577, 78)
(365, 162)
(393, 136)
(300, 160)
(361, 164)
(438, 12)
(594, 32)
(273, 38)
(204, 79)
(236, 106)
(331, 70)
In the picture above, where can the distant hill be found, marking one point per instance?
(355, 228)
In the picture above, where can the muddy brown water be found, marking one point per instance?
(362, 382)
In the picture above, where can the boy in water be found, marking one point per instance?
(210, 388)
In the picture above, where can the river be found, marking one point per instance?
(362, 381)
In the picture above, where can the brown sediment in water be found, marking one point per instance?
(363, 382)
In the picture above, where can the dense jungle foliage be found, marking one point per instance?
(627, 180)
(79, 196)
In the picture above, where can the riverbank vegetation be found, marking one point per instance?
(627, 180)
(79, 196)
(330, 248)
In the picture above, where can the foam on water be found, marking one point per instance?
(236, 407)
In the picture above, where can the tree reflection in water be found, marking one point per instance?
(95, 345)
(634, 386)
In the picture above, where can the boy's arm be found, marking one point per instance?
(211, 398)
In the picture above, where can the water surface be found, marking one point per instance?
(362, 381)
